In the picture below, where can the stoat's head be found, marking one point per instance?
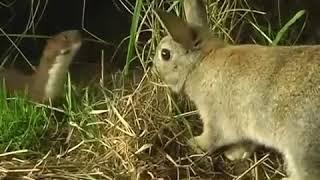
(62, 47)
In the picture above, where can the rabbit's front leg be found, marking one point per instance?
(208, 140)
(200, 143)
(240, 151)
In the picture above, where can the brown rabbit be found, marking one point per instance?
(245, 93)
(47, 82)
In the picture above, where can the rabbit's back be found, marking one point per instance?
(259, 88)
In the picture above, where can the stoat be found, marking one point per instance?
(46, 83)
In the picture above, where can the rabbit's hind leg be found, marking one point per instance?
(303, 163)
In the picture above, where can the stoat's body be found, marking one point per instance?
(14, 80)
(47, 82)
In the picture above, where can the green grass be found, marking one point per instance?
(78, 105)
(22, 123)
(284, 30)
(28, 125)
(133, 34)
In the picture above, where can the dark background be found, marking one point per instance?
(106, 19)
(278, 12)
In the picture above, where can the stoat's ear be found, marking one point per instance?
(195, 12)
(178, 29)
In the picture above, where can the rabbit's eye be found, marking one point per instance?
(165, 54)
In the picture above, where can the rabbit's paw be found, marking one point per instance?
(199, 144)
(237, 153)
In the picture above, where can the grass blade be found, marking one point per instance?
(133, 34)
(285, 28)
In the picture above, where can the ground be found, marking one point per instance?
(136, 130)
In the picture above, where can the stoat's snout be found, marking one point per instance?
(73, 40)
(64, 44)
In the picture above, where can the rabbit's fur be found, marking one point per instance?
(245, 93)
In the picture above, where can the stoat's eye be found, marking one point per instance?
(65, 51)
(165, 54)
(65, 37)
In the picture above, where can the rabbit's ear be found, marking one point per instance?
(195, 12)
(179, 30)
